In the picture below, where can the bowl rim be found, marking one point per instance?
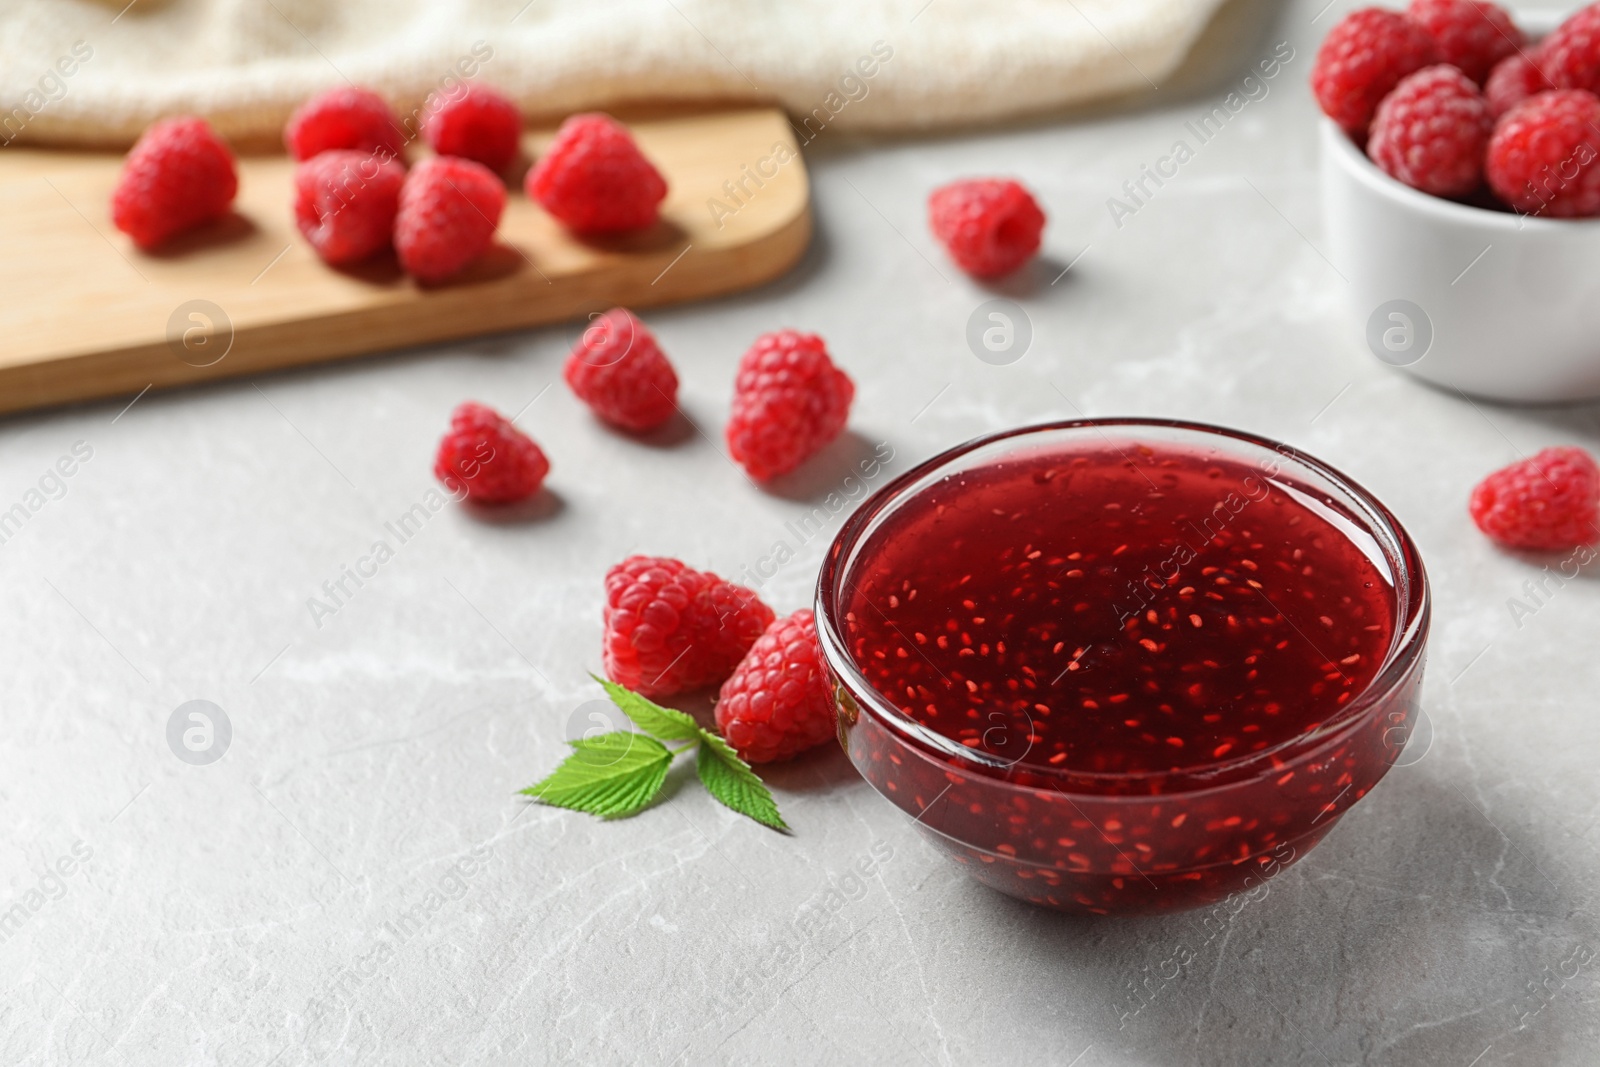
(1354, 162)
(1413, 616)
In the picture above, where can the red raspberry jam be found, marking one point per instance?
(1112, 674)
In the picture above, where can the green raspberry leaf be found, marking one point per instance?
(610, 775)
(666, 723)
(731, 781)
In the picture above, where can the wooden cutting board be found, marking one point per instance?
(84, 314)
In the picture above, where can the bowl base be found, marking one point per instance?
(1060, 888)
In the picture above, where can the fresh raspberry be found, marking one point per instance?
(178, 176)
(1546, 502)
(449, 209)
(487, 458)
(618, 370)
(1570, 57)
(789, 401)
(474, 122)
(594, 179)
(778, 701)
(345, 202)
(990, 226)
(1471, 34)
(1542, 157)
(1361, 59)
(1431, 131)
(670, 628)
(347, 117)
(1513, 80)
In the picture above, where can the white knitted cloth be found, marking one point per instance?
(94, 71)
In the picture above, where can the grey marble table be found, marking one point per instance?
(355, 881)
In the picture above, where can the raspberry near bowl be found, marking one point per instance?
(1123, 666)
(1501, 304)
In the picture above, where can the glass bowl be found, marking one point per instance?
(1143, 841)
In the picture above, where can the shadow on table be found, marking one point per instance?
(544, 505)
(1414, 934)
(832, 476)
(678, 430)
(824, 768)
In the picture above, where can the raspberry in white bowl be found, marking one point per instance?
(1473, 276)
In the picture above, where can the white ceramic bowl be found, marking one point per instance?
(1492, 303)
